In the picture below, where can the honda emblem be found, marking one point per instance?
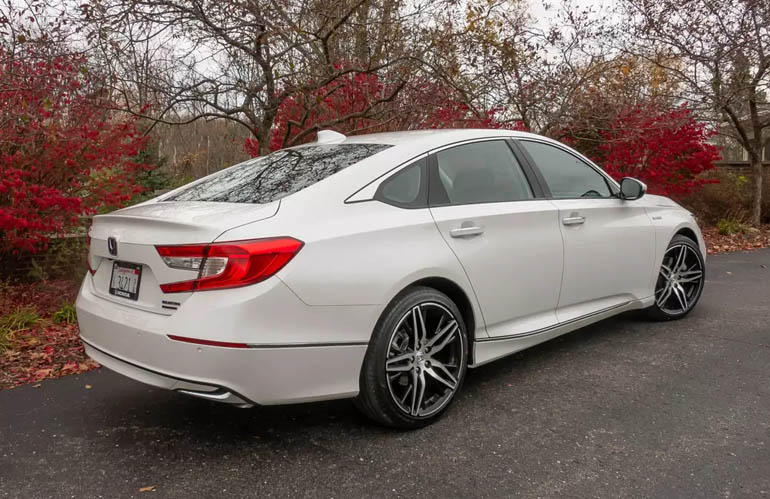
(112, 246)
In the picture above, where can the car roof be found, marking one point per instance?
(435, 137)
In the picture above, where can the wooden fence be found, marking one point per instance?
(740, 167)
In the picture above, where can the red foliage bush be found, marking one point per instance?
(62, 154)
(666, 149)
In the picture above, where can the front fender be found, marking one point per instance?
(670, 220)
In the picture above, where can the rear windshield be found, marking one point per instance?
(272, 177)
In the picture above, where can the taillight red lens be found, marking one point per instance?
(88, 255)
(229, 264)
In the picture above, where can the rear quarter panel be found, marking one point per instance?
(359, 253)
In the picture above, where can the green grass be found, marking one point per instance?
(20, 319)
(66, 314)
(727, 227)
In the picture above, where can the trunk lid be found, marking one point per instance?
(138, 229)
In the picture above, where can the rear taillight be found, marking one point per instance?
(91, 269)
(229, 264)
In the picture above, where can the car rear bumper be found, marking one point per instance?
(155, 378)
(318, 359)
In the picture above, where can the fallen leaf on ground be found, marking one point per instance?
(753, 239)
(42, 350)
(147, 489)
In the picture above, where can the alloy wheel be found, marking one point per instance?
(680, 280)
(424, 359)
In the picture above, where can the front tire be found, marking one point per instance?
(680, 280)
(416, 361)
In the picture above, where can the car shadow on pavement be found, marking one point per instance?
(152, 412)
(551, 351)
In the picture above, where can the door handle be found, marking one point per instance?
(466, 231)
(575, 220)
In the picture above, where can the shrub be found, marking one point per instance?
(728, 226)
(667, 149)
(727, 199)
(20, 319)
(62, 154)
(36, 272)
(66, 314)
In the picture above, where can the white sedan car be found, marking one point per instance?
(378, 267)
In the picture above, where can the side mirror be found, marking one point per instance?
(631, 189)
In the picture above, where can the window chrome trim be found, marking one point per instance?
(368, 191)
(468, 141)
(363, 195)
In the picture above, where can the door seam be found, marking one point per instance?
(563, 258)
(475, 296)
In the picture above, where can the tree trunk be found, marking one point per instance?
(756, 213)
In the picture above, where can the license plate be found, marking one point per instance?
(125, 280)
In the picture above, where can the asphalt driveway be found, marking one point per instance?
(624, 408)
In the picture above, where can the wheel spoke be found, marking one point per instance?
(439, 325)
(406, 393)
(665, 272)
(415, 383)
(664, 288)
(399, 369)
(420, 322)
(680, 257)
(690, 276)
(681, 296)
(391, 365)
(445, 333)
(419, 392)
(401, 344)
(449, 337)
(442, 374)
(665, 294)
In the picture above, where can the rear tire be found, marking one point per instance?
(416, 361)
(680, 280)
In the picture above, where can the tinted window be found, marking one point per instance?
(405, 187)
(271, 177)
(482, 172)
(566, 175)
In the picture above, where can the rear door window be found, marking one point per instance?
(275, 176)
(480, 172)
